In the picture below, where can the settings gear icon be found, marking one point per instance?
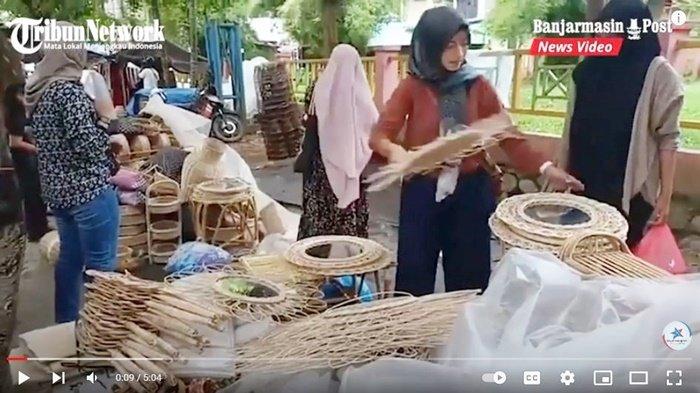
(567, 378)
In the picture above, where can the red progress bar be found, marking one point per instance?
(17, 358)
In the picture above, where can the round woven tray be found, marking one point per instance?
(222, 188)
(163, 204)
(128, 210)
(371, 256)
(165, 230)
(131, 230)
(132, 220)
(161, 252)
(131, 241)
(512, 211)
(276, 291)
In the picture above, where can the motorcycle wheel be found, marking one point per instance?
(227, 127)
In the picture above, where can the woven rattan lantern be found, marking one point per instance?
(225, 214)
(544, 221)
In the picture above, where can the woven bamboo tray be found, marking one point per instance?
(275, 268)
(161, 252)
(446, 150)
(313, 256)
(517, 213)
(165, 230)
(132, 220)
(131, 230)
(127, 210)
(164, 236)
(131, 241)
(544, 221)
(599, 254)
(282, 302)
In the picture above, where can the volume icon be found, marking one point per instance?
(91, 378)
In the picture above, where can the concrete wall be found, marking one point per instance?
(686, 180)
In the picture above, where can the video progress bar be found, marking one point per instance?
(20, 358)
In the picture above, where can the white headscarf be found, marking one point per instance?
(342, 101)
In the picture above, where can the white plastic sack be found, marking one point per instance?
(190, 130)
(538, 315)
(249, 86)
(215, 361)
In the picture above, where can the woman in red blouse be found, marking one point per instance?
(448, 210)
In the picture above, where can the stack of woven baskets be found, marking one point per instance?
(280, 116)
(132, 234)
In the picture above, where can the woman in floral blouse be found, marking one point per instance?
(74, 169)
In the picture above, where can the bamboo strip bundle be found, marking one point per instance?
(122, 311)
(595, 254)
(275, 268)
(406, 327)
(446, 150)
(259, 299)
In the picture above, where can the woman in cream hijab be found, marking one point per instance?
(341, 114)
(74, 171)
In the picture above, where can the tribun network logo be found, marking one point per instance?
(30, 35)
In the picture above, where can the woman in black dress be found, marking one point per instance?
(24, 157)
(624, 131)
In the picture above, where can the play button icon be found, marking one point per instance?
(21, 378)
(498, 377)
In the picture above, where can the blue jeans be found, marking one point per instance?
(88, 235)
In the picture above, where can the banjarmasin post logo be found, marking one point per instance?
(608, 39)
(30, 35)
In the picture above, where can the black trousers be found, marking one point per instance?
(26, 167)
(457, 226)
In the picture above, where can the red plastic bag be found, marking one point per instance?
(659, 248)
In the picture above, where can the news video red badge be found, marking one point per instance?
(574, 47)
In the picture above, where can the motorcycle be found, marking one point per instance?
(225, 124)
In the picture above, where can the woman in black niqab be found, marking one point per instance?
(607, 92)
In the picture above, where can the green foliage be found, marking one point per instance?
(74, 11)
(691, 7)
(264, 7)
(357, 22)
(511, 20)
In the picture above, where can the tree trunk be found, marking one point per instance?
(155, 9)
(330, 11)
(593, 8)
